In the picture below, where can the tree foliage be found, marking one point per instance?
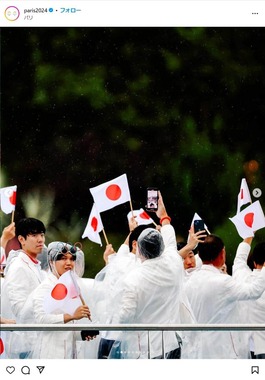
(178, 108)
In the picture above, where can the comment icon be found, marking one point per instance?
(25, 370)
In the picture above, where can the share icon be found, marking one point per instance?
(40, 368)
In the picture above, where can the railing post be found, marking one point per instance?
(148, 345)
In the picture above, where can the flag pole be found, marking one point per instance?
(12, 217)
(79, 291)
(131, 208)
(105, 236)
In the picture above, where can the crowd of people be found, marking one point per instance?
(152, 279)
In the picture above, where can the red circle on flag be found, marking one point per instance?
(59, 292)
(2, 348)
(94, 223)
(249, 218)
(113, 192)
(12, 198)
(144, 215)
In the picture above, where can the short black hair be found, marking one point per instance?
(28, 226)
(181, 244)
(136, 232)
(258, 254)
(210, 248)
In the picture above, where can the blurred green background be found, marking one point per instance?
(177, 108)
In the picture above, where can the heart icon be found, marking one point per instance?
(249, 218)
(10, 369)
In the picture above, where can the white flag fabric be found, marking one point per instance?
(111, 194)
(140, 216)
(64, 296)
(249, 220)
(8, 199)
(244, 195)
(94, 226)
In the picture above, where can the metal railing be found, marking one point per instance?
(132, 327)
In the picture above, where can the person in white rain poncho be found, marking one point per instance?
(253, 311)
(213, 296)
(50, 306)
(151, 295)
(22, 275)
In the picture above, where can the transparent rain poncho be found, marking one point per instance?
(43, 258)
(151, 294)
(63, 344)
(150, 243)
(58, 247)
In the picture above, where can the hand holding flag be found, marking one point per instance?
(64, 296)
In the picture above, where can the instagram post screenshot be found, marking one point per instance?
(132, 189)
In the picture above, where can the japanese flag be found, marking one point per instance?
(140, 216)
(244, 195)
(8, 199)
(64, 296)
(249, 220)
(94, 226)
(111, 193)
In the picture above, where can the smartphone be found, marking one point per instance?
(198, 225)
(152, 199)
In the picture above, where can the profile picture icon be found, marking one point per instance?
(12, 13)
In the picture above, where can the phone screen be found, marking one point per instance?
(152, 199)
(198, 225)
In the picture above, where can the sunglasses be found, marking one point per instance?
(64, 248)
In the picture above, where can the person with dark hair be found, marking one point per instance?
(254, 311)
(24, 274)
(151, 295)
(210, 250)
(189, 261)
(213, 296)
(29, 226)
(188, 251)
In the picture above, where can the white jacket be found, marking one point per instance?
(21, 278)
(60, 344)
(213, 297)
(151, 295)
(254, 310)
